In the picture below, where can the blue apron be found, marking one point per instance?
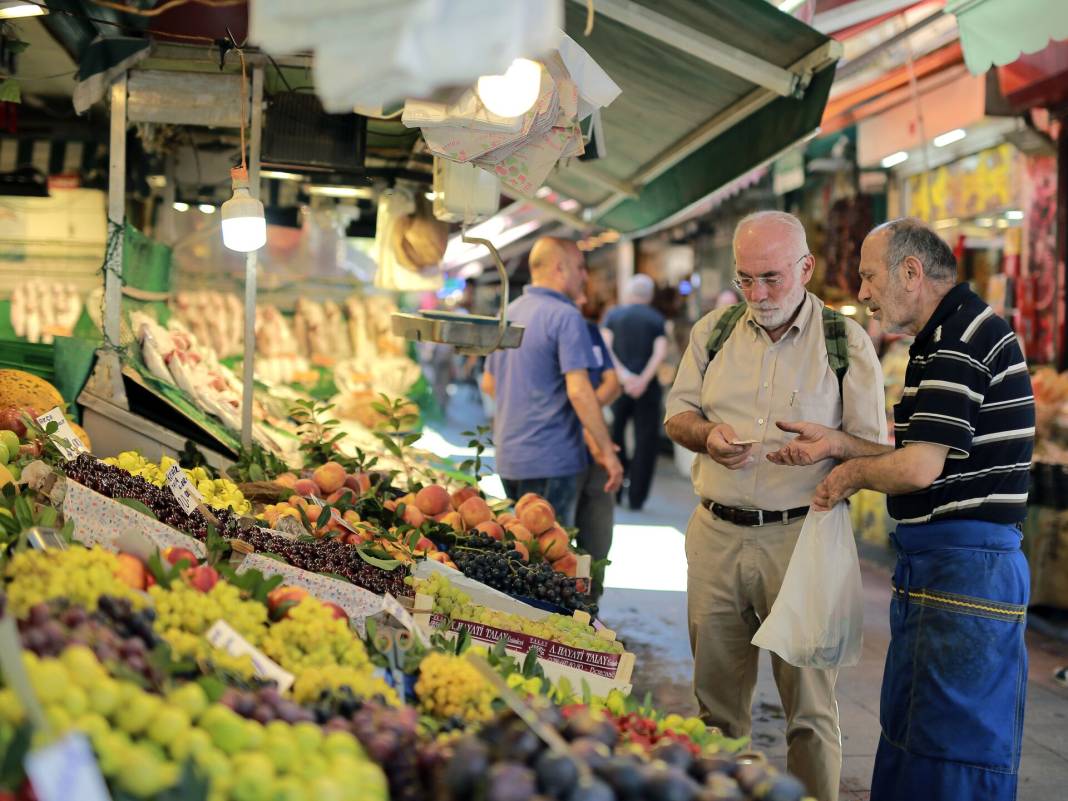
(952, 703)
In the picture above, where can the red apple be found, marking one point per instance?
(173, 556)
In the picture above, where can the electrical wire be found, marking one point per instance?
(155, 12)
(244, 82)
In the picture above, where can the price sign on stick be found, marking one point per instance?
(66, 441)
(392, 607)
(188, 497)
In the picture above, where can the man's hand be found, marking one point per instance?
(634, 386)
(839, 484)
(720, 448)
(612, 466)
(814, 444)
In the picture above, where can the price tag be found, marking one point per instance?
(223, 637)
(66, 769)
(64, 438)
(392, 607)
(334, 515)
(184, 492)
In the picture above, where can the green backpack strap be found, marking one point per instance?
(837, 341)
(721, 331)
(834, 336)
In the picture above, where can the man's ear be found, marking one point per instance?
(912, 272)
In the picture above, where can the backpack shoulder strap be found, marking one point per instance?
(837, 340)
(721, 331)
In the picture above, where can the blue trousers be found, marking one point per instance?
(560, 491)
(952, 703)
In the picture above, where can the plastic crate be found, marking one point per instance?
(32, 357)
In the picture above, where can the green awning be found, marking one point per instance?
(997, 32)
(710, 91)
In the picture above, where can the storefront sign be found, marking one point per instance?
(984, 183)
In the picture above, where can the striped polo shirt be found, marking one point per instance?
(967, 387)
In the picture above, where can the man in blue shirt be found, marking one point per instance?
(542, 388)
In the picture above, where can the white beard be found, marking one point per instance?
(777, 316)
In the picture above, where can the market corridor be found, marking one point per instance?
(655, 626)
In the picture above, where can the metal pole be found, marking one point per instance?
(249, 363)
(112, 317)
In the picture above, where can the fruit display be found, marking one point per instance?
(43, 310)
(457, 606)
(451, 687)
(142, 740)
(78, 575)
(220, 493)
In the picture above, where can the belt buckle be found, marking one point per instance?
(760, 517)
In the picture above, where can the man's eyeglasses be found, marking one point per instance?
(747, 282)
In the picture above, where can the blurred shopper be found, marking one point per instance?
(952, 703)
(780, 355)
(635, 333)
(543, 395)
(595, 513)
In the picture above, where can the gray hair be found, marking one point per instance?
(781, 217)
(640, 289)
(908, 236)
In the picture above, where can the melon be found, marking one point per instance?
(20, 389)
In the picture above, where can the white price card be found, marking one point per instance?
(184, 492)
(223, 637)
(392, 607)
(64, 438)
(66, 769)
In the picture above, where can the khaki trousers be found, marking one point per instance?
(733, 576)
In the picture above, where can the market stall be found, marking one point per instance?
(242, 579)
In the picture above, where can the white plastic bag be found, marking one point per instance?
(817, 619)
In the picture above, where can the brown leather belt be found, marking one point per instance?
(753, 517)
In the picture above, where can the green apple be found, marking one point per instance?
(168, 724)
(5, 454)
(191, 698)
(226, 728)
(11, 442)
(189, 743)
(144, 774)
(105, 696)
(137, 713)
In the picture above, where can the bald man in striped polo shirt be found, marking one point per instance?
(957, 479)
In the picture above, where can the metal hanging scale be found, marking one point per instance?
(468, 333)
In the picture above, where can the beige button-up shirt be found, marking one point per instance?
(754, 382)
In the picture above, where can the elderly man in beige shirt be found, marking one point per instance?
(773, 365)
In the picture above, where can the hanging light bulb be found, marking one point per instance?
(513, 93)
(244, 227)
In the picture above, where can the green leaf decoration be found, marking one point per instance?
(384, 564)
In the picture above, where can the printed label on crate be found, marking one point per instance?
(64, 438)
(596, 662)
(357, 602)
(188, 497)
(223, 636)
(66, 769)
(392, 607)
(99, 520)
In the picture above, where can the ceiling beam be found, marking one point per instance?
(857, 12)
(700, 45)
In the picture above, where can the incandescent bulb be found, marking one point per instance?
(513, 93)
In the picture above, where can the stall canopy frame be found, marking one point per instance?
(710, 90)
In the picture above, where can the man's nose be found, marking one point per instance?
(864, 295)
(758, 291)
